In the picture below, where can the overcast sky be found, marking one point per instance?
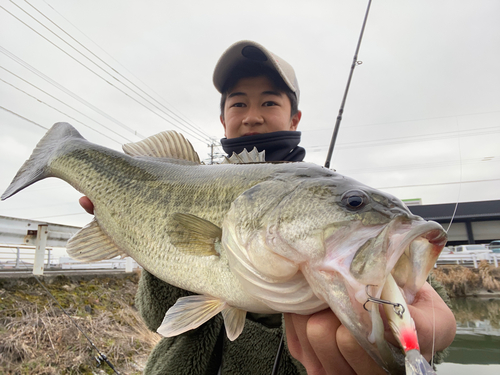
(422, 119)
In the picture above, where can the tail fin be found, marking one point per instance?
(36, 168)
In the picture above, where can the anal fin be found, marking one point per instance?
(91, 244)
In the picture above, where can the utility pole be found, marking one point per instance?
(214, 155)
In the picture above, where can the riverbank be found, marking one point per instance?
(36, 337)
(461, 281)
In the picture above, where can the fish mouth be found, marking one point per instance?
(360, 260)
(414, 253)
(405, 249)
(411, 249)
(386, 273)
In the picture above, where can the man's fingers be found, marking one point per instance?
(86, 204)
(322, 331)
(357, 358)
(434, 321)
(298, 343)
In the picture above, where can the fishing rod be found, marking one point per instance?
(341, 110)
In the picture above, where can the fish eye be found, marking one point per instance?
(354, 200)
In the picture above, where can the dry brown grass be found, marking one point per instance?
(486, 276)
(457, 280)
(460, 281)
(36, 337)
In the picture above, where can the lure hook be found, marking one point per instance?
(398, 308)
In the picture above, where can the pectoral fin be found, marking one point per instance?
(197, 236)
(91, 244)
(189, 313)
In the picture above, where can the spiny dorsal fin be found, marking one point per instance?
(192, 311)
(197, 236)
(91, 244)
(245, 157)
(167, 144)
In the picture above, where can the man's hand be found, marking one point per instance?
(86, 204)
(325, 347)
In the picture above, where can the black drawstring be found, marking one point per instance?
(278, 355)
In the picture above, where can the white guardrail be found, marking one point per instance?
(468, 259)
(22, 258)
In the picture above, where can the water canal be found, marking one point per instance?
(476, 348)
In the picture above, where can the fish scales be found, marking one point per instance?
(260, 237)
(127, 192)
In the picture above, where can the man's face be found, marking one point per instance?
(254, 106)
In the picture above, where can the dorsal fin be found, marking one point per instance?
(167, 144)
(245, 157)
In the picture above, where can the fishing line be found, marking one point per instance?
(341, 110)
(461, 174)
(101, 356)
(433, 330)
(447, 230)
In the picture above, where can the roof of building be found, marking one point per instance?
(482, 210)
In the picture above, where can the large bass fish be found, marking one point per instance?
(259, 237)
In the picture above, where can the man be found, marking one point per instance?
(259, 108)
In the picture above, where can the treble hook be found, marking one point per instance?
(398, 308)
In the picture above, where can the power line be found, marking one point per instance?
(133, 131)
(98, 75)
(404, 121)
(24, 118)
(96, 56)
(419, 138)
(65, 114)
(67, 105)
(65, 90)
(62, 215)
(415, 166)
(439, 184)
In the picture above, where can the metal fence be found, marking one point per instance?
(22, 258)
(468, 260)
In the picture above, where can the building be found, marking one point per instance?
(473, 222)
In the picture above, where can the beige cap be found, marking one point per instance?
(246, 50)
